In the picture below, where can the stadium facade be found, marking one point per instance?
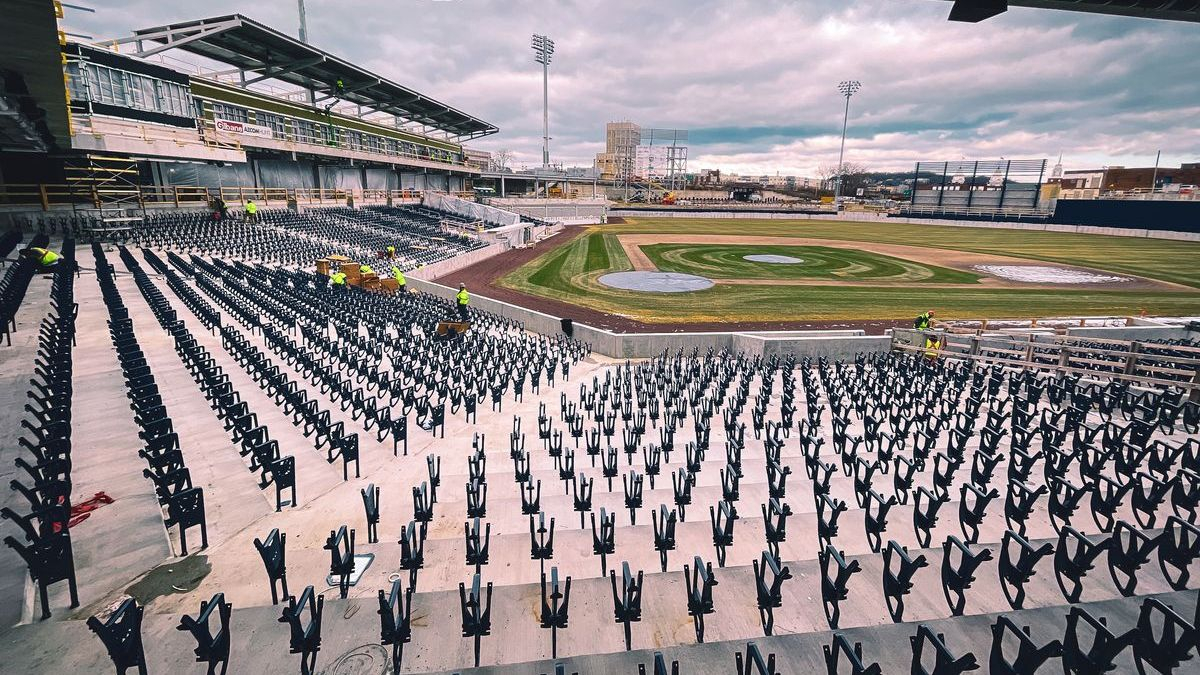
(209, 106)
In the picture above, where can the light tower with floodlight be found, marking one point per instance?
(543, 49)
(847, 88)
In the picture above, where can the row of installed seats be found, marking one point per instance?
(385, 351)
(419, 214)
(45, 464)
(197, 232)
(182, 502)
(933, 435)
(283, 237)
(949, 439)
(15, 281)
(73, 225)
(257, 445)
(416, 242)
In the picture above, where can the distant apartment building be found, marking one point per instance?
(621, 140)
(1086, 184)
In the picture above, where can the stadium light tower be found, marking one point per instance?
(543, 50)
(848, 88)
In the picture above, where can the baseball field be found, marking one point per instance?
(847, 271)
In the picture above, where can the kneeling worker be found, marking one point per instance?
(46, 259)
(401, 282)
(924, 321)
(365, 269)
(338, 280)
(463, 299)
(391, 252)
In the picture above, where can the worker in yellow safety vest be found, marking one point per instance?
(401, 282)
(251, 211)
(45, 258)
(924, 321)
(462, 299)
(365, 269)
(338, 279)
(391, 251)
(933, 343)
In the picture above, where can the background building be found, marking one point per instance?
(621, 140)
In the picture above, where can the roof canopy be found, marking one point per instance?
(254, 47)
(1173, 10)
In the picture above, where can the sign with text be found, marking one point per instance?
(232, 127)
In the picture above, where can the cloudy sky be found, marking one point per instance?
(755, 80)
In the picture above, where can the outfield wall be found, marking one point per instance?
(836, 344)
(866, 216)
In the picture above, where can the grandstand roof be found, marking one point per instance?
(255, 47)
(1173, 10)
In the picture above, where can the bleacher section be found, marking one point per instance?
(291, 239)
(760, 515)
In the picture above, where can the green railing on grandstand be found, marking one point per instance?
(48, 195)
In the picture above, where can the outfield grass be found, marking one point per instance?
(597, 254)
(817, 262)
(1164, 259)
(570, 274)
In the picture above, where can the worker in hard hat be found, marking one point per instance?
(401, 282)
(462, 299)
(391, 252)
(251, 211)
(924, 321)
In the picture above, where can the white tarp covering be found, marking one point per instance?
(472, 210)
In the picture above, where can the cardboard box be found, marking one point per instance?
(353, 274)
(323, 266)
(389, 285)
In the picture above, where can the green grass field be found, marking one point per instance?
(569, 274)
(818, 262)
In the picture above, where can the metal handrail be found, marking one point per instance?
(47, 195)
(1056, 354)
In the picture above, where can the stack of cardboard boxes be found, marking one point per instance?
(354, 275)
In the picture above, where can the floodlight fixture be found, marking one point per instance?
(847, 88)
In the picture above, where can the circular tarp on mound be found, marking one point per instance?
(772, 258)
(1042, 274)
(655, 282)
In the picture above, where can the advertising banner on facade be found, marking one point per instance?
(231, 127)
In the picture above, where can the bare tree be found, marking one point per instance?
(853, 175)
(500, 159)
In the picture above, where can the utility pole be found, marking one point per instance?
(543, 49)
(303, 22)
(847, 88)
(1154, 178)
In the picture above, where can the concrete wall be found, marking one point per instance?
(444, 267)
(839, 344)
(563, 211)
(1132, 333)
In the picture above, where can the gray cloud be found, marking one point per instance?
(754, 79)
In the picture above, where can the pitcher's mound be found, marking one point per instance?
(772, 258)
(655, 282)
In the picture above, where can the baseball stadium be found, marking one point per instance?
(302, 374)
